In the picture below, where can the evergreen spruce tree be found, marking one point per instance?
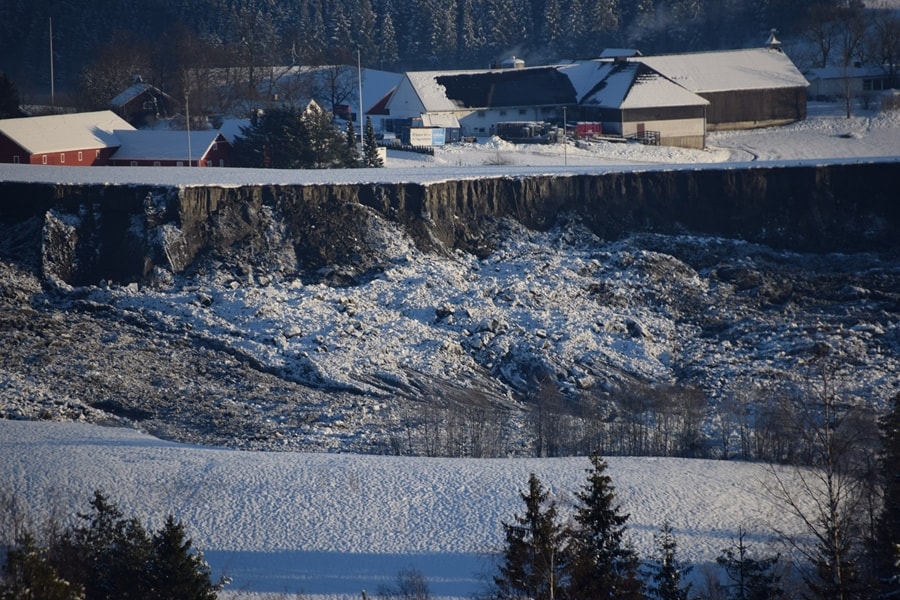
(176, 569)
(888, 544)
(9, 98)
(112, 557)
(320, 143)
(601, 565)
(388, 54)
(667, 580)
(28, 575)
(531, 565)
(108, 555)
(287, 138)
(272, 140)
(370, 147)
(749, 578)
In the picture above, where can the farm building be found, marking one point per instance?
(830, 83)
(77, 139)
(633, 101)
(479, 100)
(745, 88)
(171, 148)
(142, 104)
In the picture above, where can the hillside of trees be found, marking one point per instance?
(160, 39)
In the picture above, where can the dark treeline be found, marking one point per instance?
(158, 37)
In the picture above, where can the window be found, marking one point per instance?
(80, 157)
(134, 163)
(180, 163)
(215, 146)
(16, 159)
(43, 159)
(62, 159)
(156, 163)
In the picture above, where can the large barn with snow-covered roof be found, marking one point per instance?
(678, 96)
(757, 87)
(77, 140)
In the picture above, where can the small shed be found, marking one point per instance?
(172, 148)
(632, 100)
(75, 139)
(756, 87)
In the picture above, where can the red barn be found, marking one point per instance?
(77, 139)
(172, 148)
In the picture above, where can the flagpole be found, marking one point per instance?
(359, 79)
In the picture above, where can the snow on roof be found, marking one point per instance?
(231, 128)
(635, 85)
(650, 89)
(432, 94)
(755, 68)
(164, 144)
(584, 75)
(61, 133)
(440, 120)
(129, 94)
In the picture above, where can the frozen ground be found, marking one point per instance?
(231, 358)
(332, 525)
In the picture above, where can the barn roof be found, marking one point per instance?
(231, 128)
(61, 133)
(540, 86)
(730, 70)
(165, 144)
(134, 91)
(448, 91)
(635, 85)
(129, 94)
(630, 85)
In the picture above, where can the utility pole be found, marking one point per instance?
(52, 90)
(359, 81)
(565, 140)
(187, 119)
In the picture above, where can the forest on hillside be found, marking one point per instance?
(160, 38)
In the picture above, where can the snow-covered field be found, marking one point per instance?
(332, 525)
(825, 136)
